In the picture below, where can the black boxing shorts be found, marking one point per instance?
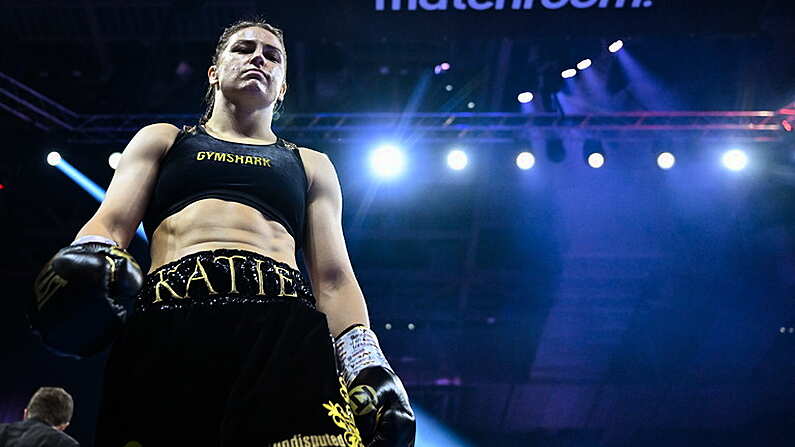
(225, 348)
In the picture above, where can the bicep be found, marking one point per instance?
(128, 194)
(325, 253)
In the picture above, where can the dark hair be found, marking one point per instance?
(51, 405)
(209, 95)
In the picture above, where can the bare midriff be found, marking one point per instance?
(210, 224)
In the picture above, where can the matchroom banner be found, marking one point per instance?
(423, 19)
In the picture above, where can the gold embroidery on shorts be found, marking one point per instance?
(259, 277)
(283, 280)
(231, 260)
(194, 277)
(164, 283)
(343, 418)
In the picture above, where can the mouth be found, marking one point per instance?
(258, 74)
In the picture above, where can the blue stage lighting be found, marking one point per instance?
(596, 160)
(583, 64)
(593, 153)
(616, 46)
(387, 161)
(53, 158)
(86, 183)
(666, 160)
(457, 159)
(432, 433)
(525, 160)
(113, 160)
(525, 97)
(568, 73)
(735, 160)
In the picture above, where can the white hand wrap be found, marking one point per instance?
(358, 349)
(93, 238)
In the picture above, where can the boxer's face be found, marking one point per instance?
(253, 62)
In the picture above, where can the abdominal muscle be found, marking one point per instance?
(210, 224)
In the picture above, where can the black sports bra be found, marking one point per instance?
(267, 177)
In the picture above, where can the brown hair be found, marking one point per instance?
(51, 405)
(209, 95)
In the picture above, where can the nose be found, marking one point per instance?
(257, 58)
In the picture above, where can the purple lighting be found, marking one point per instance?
(445, 66)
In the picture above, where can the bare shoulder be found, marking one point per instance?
(318, 166)
(162, 132)
(312, 154)
(154, 139)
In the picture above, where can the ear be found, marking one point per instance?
(212, 75)
(62, 427)
(283, 91)
(25, 414)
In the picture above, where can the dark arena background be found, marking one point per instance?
(628, 281)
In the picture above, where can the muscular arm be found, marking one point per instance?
(128, 194)
(325, 255)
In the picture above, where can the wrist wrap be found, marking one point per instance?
(357, 348)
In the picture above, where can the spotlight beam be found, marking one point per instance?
(90, 187)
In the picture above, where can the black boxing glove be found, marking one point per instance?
(82, 298)
(379, 402)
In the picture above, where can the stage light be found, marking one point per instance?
(786, 125)
(411, 326)
(457, 159)
(437, 69)
(666, 160)
(2, 186)
(388, 326)
(568, 73)
(525, 97)
(53, 158)
(471, 105)
(735, 160)
(113, 160)
(387, 161)
(616, 46)
(448, 87)
(525, 160)
(593, 153)
(445, 66)
(596, 160)
(583, 64)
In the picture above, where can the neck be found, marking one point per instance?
(236, 120)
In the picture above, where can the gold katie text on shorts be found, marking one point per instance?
(231, 260)
(193, 277)
(233, 158)
(163, 283)
(283, 279)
